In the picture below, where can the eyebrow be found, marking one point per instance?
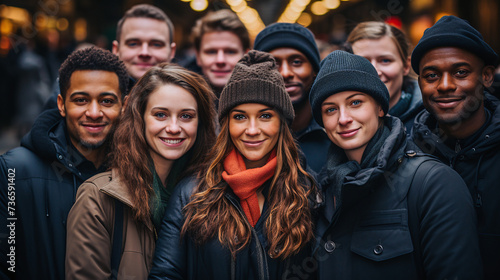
(100, 94)
(166, 109)
(349, 97)
(454, 65)
(241, 111)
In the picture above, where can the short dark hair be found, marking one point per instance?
(221, 20)
(145, 11)
(92, 58)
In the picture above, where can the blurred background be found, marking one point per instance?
(37, 35)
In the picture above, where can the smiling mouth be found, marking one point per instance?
(348, 133)
(253, 143)
(448, 102)
(171, 141)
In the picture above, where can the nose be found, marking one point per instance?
(144, 49)
(173, 127)
(94, 110)
(285, 70)
(252, 128)
(375, 64)
(344, 117)
(221, 58)
(446, 83)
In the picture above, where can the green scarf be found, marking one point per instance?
(159, 200)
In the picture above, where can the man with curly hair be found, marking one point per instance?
(65, 147)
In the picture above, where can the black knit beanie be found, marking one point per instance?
(451, 31)
(289, 35)
(342, 71)
(256, 79)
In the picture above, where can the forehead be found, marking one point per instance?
(286, 53)
(448, 56)
(339, 97)
(220, 39)
(145, 29)
(381, 46)
(94, 81)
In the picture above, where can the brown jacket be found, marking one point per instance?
(90, 233)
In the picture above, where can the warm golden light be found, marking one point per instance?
(199, 5)
(318, 8)
(80, 29)
(331, 4)
(305, 19)
(62, 24)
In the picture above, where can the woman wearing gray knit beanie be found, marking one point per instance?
(249, 214)
(391, 212)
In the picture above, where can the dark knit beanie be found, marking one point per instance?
(342, 71)
(289, 35)
(256, 79)
(451, 31)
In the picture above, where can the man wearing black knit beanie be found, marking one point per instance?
(461, 125)
(297, 55)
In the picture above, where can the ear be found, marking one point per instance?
(198, 61)
(407, 66)
(380, 112)
(114, 48)
(488, 75)
(60, 106)
(173, 48)
(125, 102)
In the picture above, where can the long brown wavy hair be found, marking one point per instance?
(289, 223)
(130, 155)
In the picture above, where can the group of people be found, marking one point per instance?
(267, 164)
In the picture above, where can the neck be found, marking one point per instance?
(465, 128)
(394, 99)
(355, 155)
(163, 169)
(302, 118)
(96, 156)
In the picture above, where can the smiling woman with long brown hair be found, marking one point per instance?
(163, 136)
(249, 216)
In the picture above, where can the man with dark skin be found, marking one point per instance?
(461, 123)
(65, 147)
(297, 56)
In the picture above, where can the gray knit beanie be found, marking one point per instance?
(256, 79)
(342, 71)
(451, 31)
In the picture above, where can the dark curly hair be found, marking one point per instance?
(92, 58)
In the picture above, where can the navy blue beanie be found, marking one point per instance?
(289, 35)
(451, 31)
(342, 71)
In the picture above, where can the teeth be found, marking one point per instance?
(172, 141)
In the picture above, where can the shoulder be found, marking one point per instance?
(90, 191)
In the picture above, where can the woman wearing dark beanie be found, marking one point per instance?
(248, 216)
(390, 211)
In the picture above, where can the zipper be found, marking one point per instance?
(261, 261)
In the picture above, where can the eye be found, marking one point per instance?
(385, 61)
(186, 116)
(212, 52)
(157, 44)
(80, 100)
(356, 102)
(297, 62)
(231, 51)
(330, 110)
(108, 102)
(430, 76)
(266, 115)
(132, 44)
(160, 115)
(238, 116)
(462, 73)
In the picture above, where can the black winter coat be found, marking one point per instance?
(177, 258)
(479, 164)
(42, 179)
(390, 227)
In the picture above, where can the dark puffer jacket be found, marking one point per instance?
(478, 163)
(177, 258)
(45, 185)
(379, 224)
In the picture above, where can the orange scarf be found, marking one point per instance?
(245, 182)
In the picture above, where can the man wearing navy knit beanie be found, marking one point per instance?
(297, 55)
(461, 125)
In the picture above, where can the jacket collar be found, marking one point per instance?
(116, 189)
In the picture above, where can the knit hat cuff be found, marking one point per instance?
(452, 40)
(255, 91)
(347, 80)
